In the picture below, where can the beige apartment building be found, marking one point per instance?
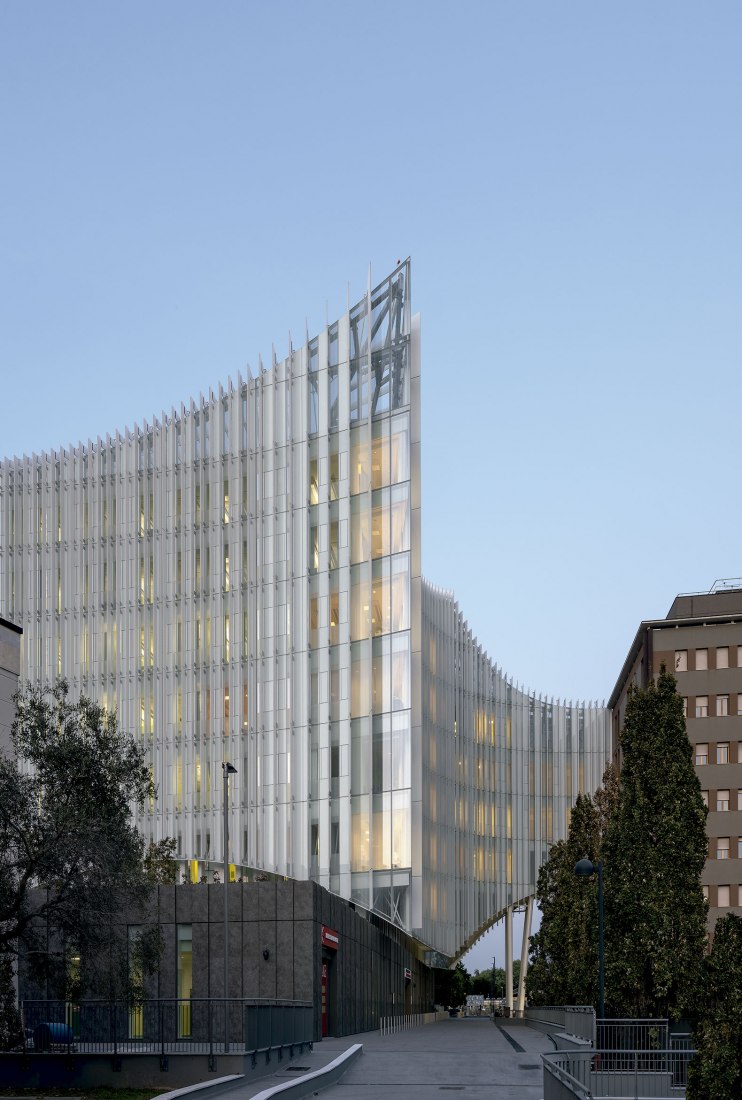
(701, 639)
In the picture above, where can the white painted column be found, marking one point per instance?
(509, 959)
(524, 956)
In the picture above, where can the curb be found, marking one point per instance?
(312, 1082)
(219, 1084)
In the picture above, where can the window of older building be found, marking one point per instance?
(685, 706)
(702, 706)
(705, 797)
(681, 660)
(722, 895)
(722, 706)
(722, 752)
(722, 801)
(722, 656)
(702, 659)
(701, 754)
(722, 847)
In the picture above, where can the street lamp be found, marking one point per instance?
(227, 770)
(584, 868)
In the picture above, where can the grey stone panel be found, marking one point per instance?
(250, 952)
(166, 904)
(285, 959)
(267, 901)
(200, 902)
(305, 954)
(304, 900)
(235, 988)
(250, 901)
(216, 959)
(267, 967)
(284, 900)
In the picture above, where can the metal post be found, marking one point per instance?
(601, 941)
(509, 959)
(524, 957)
(227, 770)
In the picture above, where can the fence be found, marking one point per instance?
(615, 1074)
(389, 1025)
(576, 1020)
(629, 1034)
(168, 1026)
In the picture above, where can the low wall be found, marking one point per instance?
(47, 1071)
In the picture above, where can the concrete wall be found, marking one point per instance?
(366, 974)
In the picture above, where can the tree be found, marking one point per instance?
(563, 967)
(65, 827)
(452, 985)
(654, 850)
(160, 865)
(716, 1071)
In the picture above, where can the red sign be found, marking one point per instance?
(330, 938)
(407, 974)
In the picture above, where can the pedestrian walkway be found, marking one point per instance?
(473, 1058)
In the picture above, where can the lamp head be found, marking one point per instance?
(584, 868)
(228, 769)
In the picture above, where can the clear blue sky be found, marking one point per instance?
(182, 184)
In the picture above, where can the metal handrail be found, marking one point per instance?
(168, 1025)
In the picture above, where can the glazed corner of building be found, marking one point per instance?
(700, 641)
(265, 505)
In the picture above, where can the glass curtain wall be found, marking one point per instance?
(501, 771)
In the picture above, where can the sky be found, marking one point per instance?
(183, 185)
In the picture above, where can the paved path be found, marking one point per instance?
(472, 1059)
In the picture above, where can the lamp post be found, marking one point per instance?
(227, 770)
(584, 868)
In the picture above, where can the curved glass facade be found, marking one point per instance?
(241, 579)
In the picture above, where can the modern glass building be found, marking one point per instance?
(241, 579)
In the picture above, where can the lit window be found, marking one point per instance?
(702, 660)
(702, 706)
(722, 706)
(702, 754)
(722, 847)
(722, 896)
(681, 660)
(722, 656)
(722, 752)
(722, 801)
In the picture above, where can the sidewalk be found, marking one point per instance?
(472, 1057)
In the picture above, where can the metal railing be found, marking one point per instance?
(578, 1020)
(168, 1026)
(630, 1034)
(616, 1074)
(389, 1025)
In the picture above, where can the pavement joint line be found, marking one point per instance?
(515, 1045)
